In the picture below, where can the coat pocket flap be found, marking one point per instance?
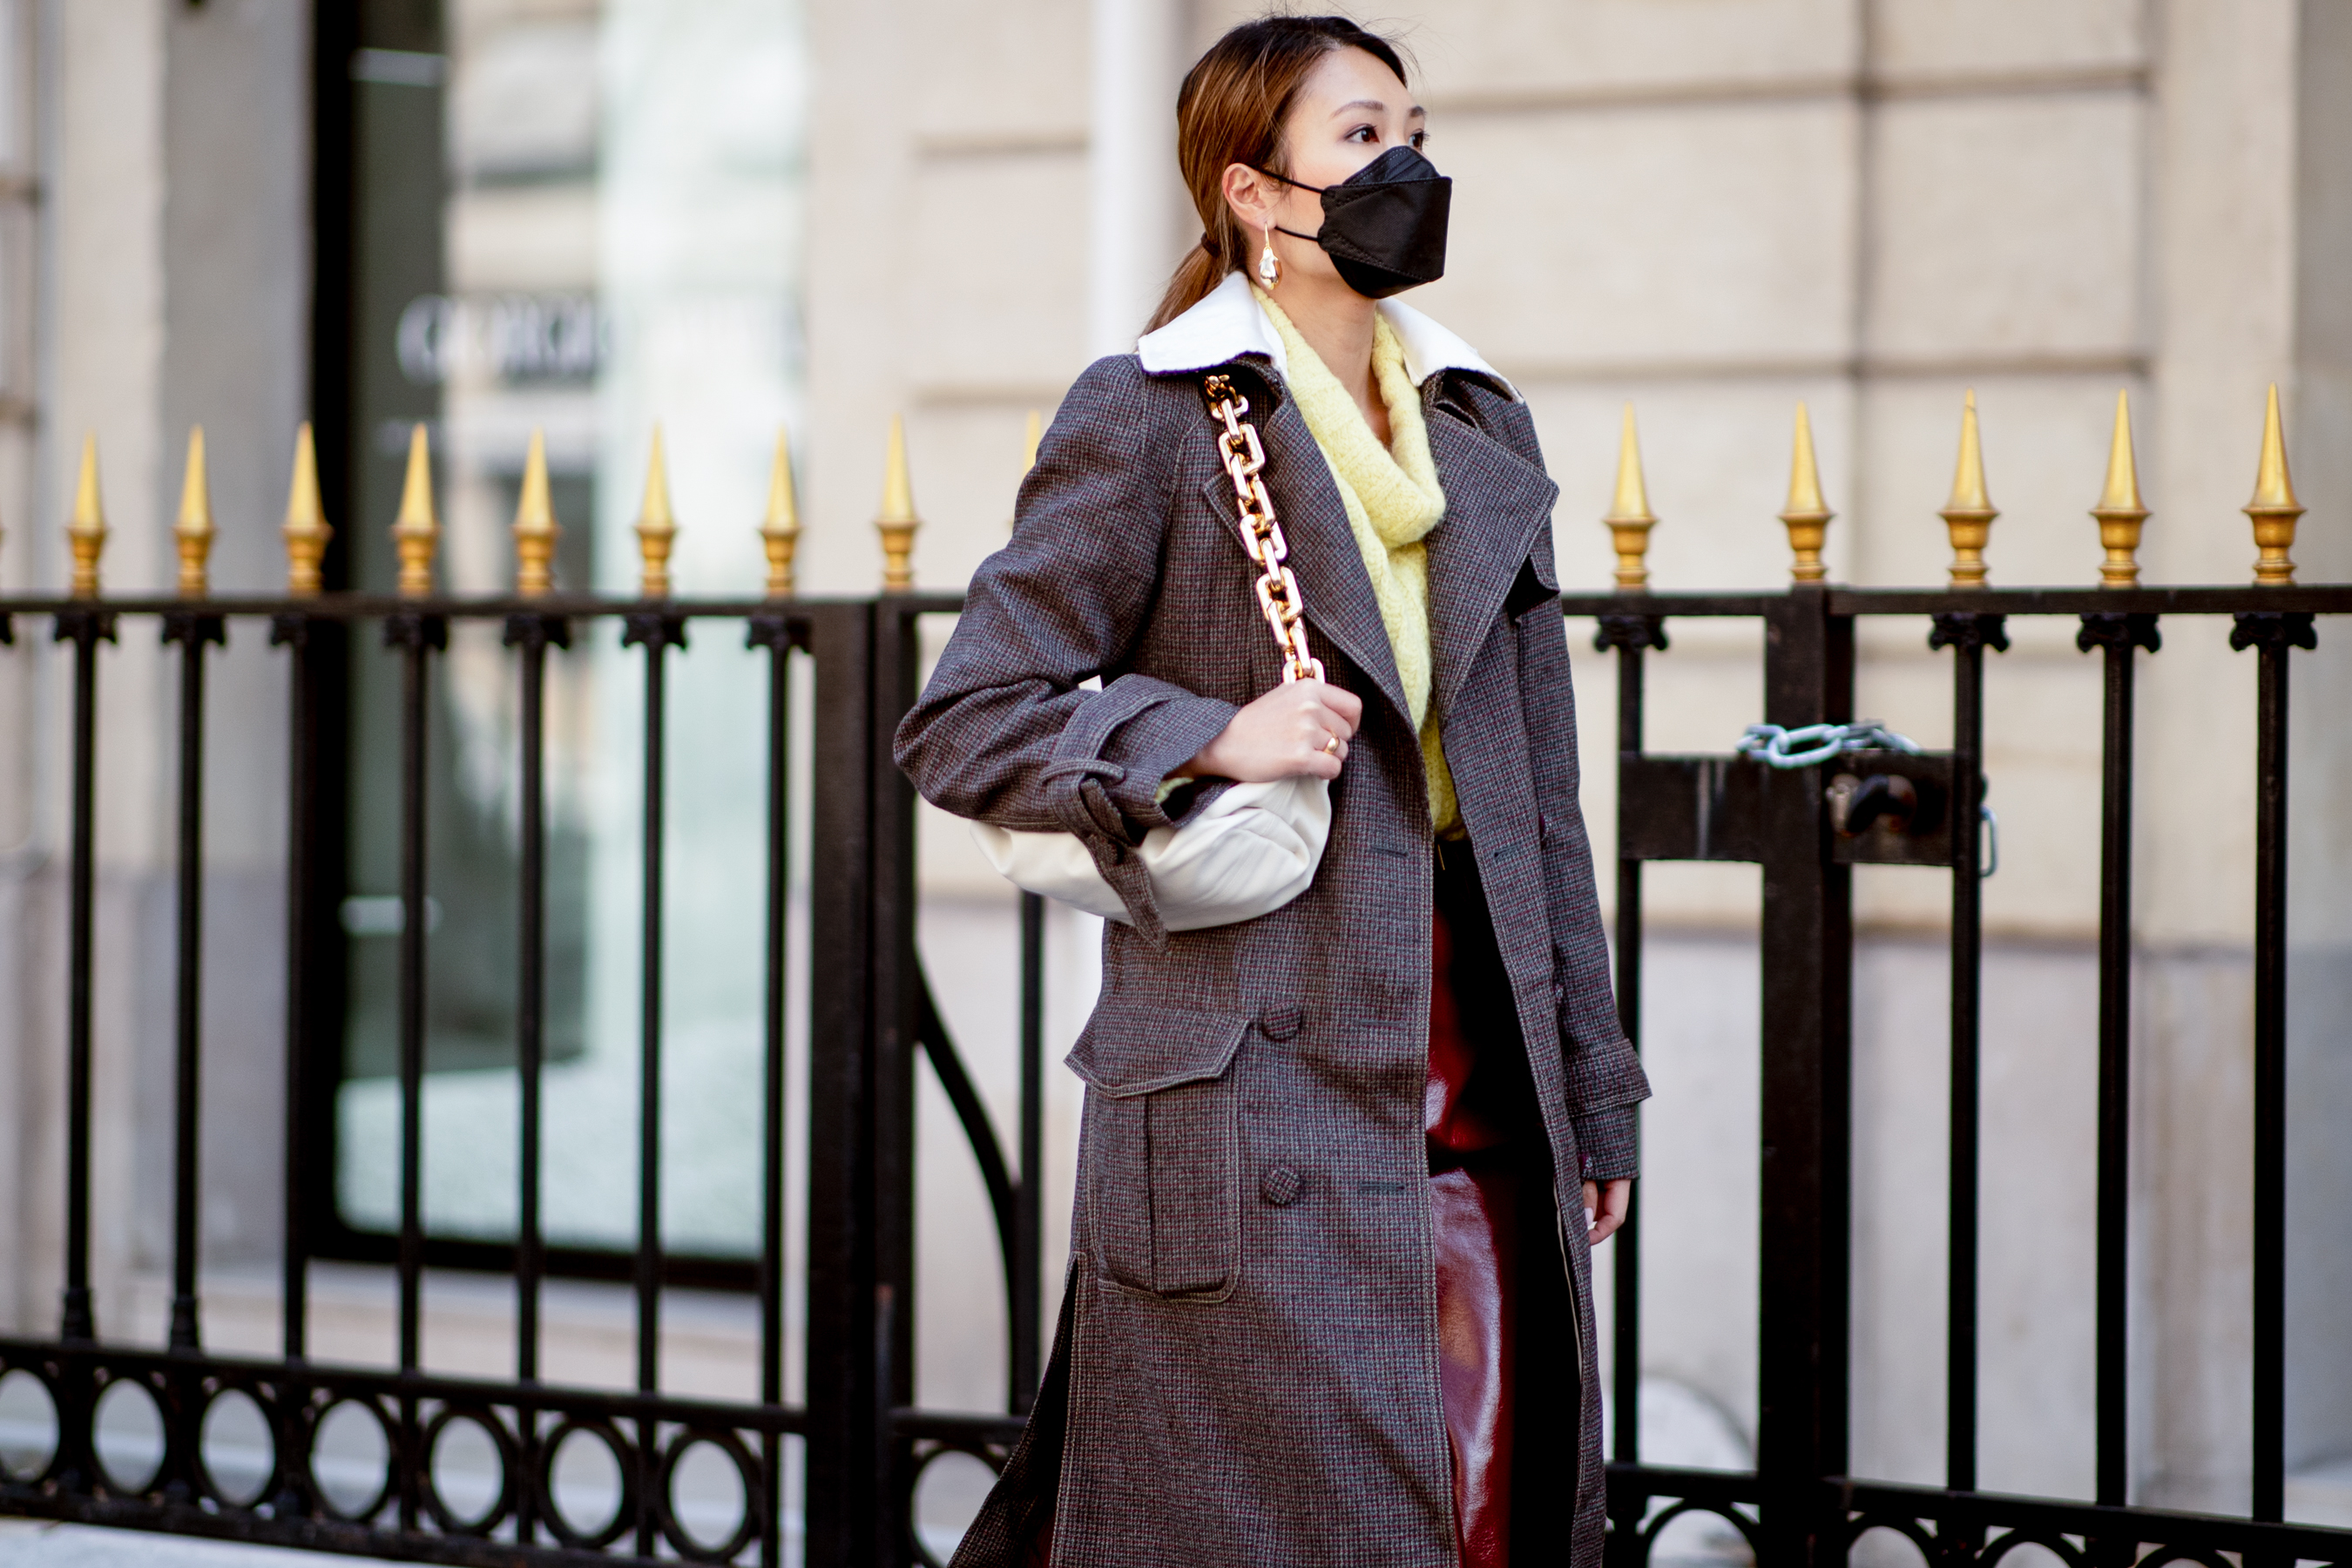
(1129, 1049)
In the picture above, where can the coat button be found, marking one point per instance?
(1281, 1022)
(1280, 1186)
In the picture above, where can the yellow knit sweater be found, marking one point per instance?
(1392, 499)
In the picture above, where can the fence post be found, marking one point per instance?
(897, 1010)
(840, 1499)
(1808, 955)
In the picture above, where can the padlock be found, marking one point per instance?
(1856, 804)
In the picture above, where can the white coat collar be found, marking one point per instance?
(1227, 323)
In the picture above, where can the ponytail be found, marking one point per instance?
(1196, 277)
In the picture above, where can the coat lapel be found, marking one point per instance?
(1341, 607)
(1495, 501)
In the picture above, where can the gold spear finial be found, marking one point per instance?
(194, 532)
(1968, 516)
(535, 528)
(1807, 515)
(417, 530)
(86, 534)
(779, 530)
(656, 526)
(897, 520)
(2119, 510)
(2274, 509)
(306, 531)
(1629, 519)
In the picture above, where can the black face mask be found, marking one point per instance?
(1384, 226)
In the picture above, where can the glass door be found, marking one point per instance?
(579, 218)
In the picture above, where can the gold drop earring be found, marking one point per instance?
(1269, 265)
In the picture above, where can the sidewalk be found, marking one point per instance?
(33, 1543)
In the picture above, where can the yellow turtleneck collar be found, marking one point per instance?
(1392, 499)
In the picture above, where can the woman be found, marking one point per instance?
(1322, 1306)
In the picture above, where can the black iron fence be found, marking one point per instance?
(863, 1445)
(869, 1011)
(1808, 826)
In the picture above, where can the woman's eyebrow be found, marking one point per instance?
(1377, 107)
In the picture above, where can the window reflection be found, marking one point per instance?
(579, 218)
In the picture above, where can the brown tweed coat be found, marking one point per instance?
(1246, 1366)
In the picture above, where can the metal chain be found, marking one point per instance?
(1801, 748)
(1277, 590)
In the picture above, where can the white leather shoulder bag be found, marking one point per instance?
(1256, 847)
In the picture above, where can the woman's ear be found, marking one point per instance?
(1250, 195)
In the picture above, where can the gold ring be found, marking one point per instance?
(1331, 745)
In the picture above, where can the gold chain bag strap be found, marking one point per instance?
(1256, 847)
(1277, 590)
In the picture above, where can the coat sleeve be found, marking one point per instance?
(1004, 731)
(1605, 1079)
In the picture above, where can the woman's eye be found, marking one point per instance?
(1364, 133)
(1419, 140)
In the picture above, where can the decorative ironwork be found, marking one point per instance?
(1966, 629)
(779, 530)
(1806, 515)
(2274, 510)
(535, 528)
(932, 1438)
(2119, 510)
(416, 532)
(863, 1447)
(656, 527)
(2119, 631)
(85, 531)
(1967, 515)
(306, 532)
(897, 522)
(1980, 1530)
(399, 1502)
(402, 1507)
(1630, 634)
(193, 532)
(1629, 519)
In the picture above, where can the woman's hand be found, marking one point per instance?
(1605, 1203)
(1299, 727)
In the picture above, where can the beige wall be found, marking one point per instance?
(101, 169)
(23, 779)
(1712, 209)
(174, 165)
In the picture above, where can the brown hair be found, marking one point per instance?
(1231, 110)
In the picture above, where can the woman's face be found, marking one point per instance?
(1350, 110)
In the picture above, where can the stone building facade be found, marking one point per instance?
(1710, 208)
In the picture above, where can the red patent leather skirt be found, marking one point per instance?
(1473, 1214)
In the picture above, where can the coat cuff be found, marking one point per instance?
(1603, 1076)
(1105, 774)
(1159, 740)
(1608, 1143)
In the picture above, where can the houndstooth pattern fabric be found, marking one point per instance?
(1246, 1370)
